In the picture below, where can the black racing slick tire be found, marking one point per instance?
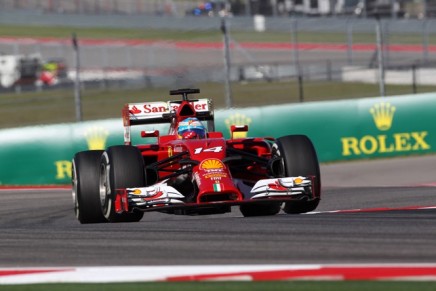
(85, 187)
(121, 167)
(299, 159)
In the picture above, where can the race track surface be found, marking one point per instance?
(38, 227)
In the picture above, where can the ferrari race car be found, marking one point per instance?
(193, 174)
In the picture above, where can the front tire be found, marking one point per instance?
(85, 186)
(299, 159)
(121, 167)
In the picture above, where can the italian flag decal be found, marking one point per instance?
(217, 187)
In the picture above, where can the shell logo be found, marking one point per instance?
(211, 164)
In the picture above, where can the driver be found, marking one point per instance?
(191, 128)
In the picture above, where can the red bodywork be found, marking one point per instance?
(210, 166)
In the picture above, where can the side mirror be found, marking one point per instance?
(239, 129)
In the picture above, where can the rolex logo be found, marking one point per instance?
(383, 114)
(238, 119)
(96, 138)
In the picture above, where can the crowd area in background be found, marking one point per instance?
(358, 8)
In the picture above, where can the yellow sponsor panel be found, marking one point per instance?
(398, 142)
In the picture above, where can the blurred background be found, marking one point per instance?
(241, 52)
(364, 8)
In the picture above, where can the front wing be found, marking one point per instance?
(162, 197)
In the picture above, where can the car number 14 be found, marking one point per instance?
(203, 150)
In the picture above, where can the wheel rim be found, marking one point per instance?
(105, 191)
(276, 153)
(74, 192)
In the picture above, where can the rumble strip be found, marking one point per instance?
(391, 272)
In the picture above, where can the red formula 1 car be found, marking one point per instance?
(193, 169)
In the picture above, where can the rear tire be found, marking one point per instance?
(121, 167)
(85, 186)
(299, 159)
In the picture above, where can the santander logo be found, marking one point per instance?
(155, 108)
(135, 110)
(165, 107)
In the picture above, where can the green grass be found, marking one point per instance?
(237, 286)
(201, 36)
(105, 33)
(56, 106)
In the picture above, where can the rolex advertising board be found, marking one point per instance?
(42, 155)
(351, 129)
(391, 128)
(340, 130)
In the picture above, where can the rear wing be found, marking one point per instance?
(161, 112)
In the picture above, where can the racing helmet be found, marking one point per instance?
(191, 128)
